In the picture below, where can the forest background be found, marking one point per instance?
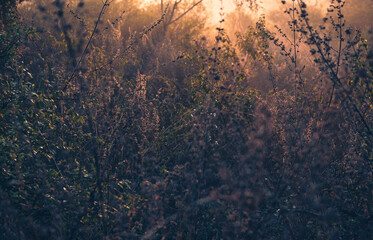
(181, 120)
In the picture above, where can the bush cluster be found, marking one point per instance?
(124, 122)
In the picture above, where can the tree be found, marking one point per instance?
(173, 13)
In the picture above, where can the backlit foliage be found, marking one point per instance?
(121, 122)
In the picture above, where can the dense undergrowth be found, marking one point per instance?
(122, 122)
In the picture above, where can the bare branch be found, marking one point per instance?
(183, 14)
(88, 43)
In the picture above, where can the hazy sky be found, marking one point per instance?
(213, 6)
(266, 5)
(228, 5)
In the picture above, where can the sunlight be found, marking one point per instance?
(214, 6)
(118, 121)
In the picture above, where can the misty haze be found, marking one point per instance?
(186, 119)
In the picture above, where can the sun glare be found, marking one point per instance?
(216, 7)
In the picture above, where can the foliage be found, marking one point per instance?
(134, 125)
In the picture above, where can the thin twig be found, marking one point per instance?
(182, 15)
(86, 47)
(335, 79)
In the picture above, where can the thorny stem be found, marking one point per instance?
(294, 42)
(339, 50)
